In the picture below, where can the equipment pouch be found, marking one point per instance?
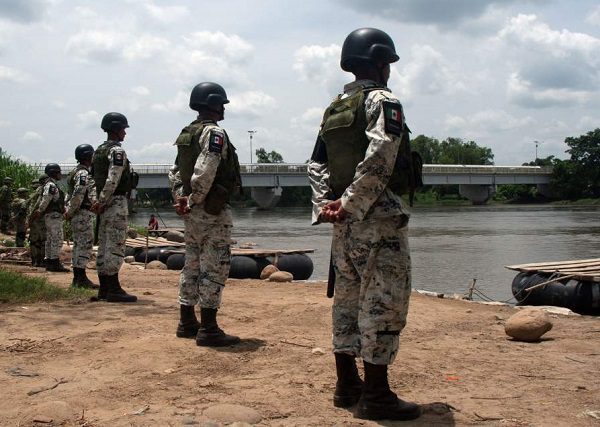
(216, 199)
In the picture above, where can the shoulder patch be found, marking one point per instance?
(82, 179)
(52, 189)
(117, 158)
(393, 118)
(216, 141)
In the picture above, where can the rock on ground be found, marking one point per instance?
(281, 276)
(156, 265)
(267, 271)
(528, 325)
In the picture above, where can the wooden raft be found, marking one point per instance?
(259, 252)
(153, 242)
(581, 269)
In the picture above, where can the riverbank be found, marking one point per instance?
(100, 364)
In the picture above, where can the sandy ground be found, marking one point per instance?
(121, 365)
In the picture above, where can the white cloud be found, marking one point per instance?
(320, 65)
(522, 92)
(13, 75)
(166, 14)
(250, 104)
(4, 123)
(486, 122)
(151, 153)
(594, 16)
(112, 46)
(141, 90)
(31, 136)
(178, 104)
(309, 120)
(90, 119)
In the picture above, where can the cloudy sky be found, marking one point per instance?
(503, 73)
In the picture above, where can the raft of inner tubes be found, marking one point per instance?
(242, 267)
(580, 296)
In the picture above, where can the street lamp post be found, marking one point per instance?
(536, 149)
(251, 133)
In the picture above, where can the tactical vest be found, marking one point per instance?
(343, 131)
(34, 200)
(227, 180)
(100, 165)
(57, 205)
(86, 203)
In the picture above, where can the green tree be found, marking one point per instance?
(454, 151)
(263, 157)
(427, 147)
(585, 155)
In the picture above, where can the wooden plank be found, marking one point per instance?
(259, 253)
(555, 264)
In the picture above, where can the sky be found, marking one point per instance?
(502, 73)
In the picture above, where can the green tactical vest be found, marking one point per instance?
(343, 131)
(100, 165)
(227, 180)
(86, 203)
(57, 205)
(34, 200)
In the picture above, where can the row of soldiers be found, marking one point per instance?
(13, 210)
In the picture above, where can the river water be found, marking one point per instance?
(450, 246)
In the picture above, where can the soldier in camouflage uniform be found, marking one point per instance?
(360, 166)
(37, 228)
(52, 209)
(112, 175)
(81, 197)
(19, 216)
(205, 175)
(5, 201)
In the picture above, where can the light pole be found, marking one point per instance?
(251, 133)
(536, 149)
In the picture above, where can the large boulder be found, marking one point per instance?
(156, 265)
(528, 325)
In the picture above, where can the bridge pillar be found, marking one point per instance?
(478, 194)
(266, 197)
(544, 190)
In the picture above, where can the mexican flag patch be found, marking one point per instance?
(393, 118)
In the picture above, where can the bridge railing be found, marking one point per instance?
(301, 168)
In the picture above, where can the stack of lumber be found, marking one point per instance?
(581, 269)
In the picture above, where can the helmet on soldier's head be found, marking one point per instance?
(8, 180)
(114, 122)
(84, 152)
(367, 45)
(52, 168)
(208, 94)
(22, 191)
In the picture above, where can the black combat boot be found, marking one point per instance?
(56, 266)
(102, 290)
(378, 402)
(188, 323)
(348, 387)
(80, 279)
(209, 334)
(115, 293)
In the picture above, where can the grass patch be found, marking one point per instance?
(18, 288)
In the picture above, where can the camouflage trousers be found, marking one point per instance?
(4, 218)
(37, 238)
(207, 259)
(372, 287)
(83, 237)
(112, 234)
(54, 234)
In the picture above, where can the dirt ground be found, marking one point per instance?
(102, 364)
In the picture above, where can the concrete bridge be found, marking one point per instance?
(265, 180)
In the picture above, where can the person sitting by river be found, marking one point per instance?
(153, 223)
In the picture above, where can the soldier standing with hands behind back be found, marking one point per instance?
(112, 175)
(360, 166)
(206, 174)
(81, 198)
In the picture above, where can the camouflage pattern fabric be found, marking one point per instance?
(112, 234)
(54, 234)
(82, 219)
(370, 247)
(5, 201)
(19, 214)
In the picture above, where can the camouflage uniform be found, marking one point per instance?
(112, 232)
(207, 237)
(370, 252)
(5, 202)
(52, 208)
(37, 228)
(19, 219)
(80, 199)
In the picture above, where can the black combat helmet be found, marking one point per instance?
(7, 180)
(22, 191)
(208, 94)
(114, 122)
(51, 168)
(84, 152)
(367, 45)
